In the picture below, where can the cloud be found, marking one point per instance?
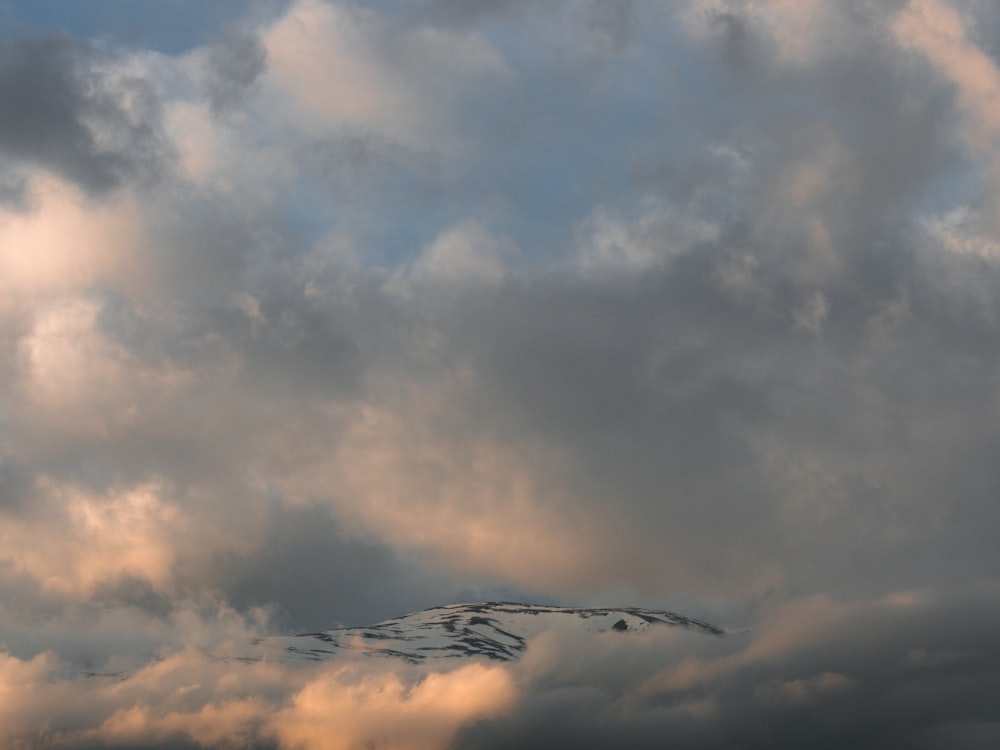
(409, 480)
(807, 691)
(765, 696)
(677, 371)
(368, 307)
(608, 242)
(310, 572)
(393, 81)
(107, 538)
(67, 112)
(939, 32)
(381, 709)
(233, 68)
(65, 244)
(800, 34)
(465, 253)
(587, 689)
(189, 700)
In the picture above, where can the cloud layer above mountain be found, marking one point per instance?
(335, 311)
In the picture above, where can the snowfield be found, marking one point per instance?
(496, 630)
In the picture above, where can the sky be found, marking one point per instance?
(315, 313)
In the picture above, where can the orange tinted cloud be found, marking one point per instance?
(343, 709)
(218, 703)
(410, 472)
(84, 539)
(66, 243)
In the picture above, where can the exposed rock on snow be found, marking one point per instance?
(495, 630)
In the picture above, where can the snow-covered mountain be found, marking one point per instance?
(495, 630)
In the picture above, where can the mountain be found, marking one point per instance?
(495, 630)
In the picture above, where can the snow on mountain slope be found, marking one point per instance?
(495, 630)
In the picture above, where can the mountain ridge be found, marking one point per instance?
(498, 631)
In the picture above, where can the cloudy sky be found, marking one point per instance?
(314, 313)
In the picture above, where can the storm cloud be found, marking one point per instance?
(359, 308)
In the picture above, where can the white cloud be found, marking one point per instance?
(465, 254)
(333, 65)
(608, 241)
(965, 231)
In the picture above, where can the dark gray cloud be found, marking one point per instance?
(13, 190)
(15, 483)
(63, 113)
(918, 677)
(233, 68)
(358, 166)
(317, 575)
(697, 409)
(773, 390)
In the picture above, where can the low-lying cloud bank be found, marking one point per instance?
(909, 670)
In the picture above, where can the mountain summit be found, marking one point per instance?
(495, 630)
